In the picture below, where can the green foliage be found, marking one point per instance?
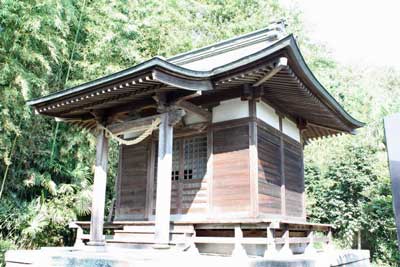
(49, 45)
(347, 177)
(337, 195)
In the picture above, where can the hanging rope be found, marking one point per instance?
(154, 125)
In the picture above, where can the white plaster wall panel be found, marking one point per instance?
(290, 128)
(267, 114)
(230, 110)
(191, 118)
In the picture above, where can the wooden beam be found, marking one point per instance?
(99, 191)
(150, 181)
(131, 106)
(118, 182)
(189, 96)
(280, 65)
(210, 170)
(194, 109)
(253, 159)
(282, 168)
(164, 169)
(182, 83)
(136, 125)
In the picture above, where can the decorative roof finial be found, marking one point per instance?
(278, 28)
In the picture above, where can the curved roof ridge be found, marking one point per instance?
(287, 43)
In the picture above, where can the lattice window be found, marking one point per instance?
(175, 160)
(195, 157)
(193, 165)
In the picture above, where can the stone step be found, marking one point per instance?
(146, 238)
(151, 228)
(134, 235)
(136, 240)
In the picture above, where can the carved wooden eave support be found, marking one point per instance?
(282, 63)
(189, 107)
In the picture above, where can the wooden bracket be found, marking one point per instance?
(258, 93)
(185, 105)
(175, 116)
(302, 125)
(250, 92)
(247, 92)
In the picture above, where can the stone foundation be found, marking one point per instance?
(118, 257)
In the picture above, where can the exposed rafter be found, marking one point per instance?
(278, 71)
(282, 63)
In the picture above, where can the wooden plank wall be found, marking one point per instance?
(231, 178)
(230, 181)
(281, 174)
(193, 195)
(269, 171)
(131, 188)
(294, 177)
(187, 196)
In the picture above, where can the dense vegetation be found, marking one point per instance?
(46, 168)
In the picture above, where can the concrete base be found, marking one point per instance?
(118, 257)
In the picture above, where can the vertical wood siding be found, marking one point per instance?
(231, 178)
(230, 181)
(269, 174)
(188, 196)
(294, 177)
(131, 195)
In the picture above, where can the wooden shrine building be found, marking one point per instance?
(211, 146)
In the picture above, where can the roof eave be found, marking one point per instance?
(287, 43)
(148, 65)
(330, 100)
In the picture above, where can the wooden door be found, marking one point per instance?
(189, 185)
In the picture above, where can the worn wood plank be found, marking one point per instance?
(99, 190)
(164, 169)
(269, 176)
(253, 159)
(231, 178)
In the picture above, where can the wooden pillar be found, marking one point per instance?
(99, 191)
(270, 250)
(282, 168)
(238, 250)
(310, 250)
(329, 242)
(210, 168)
(164, 169)
(285, 250)
(192, 243)
(253, 159)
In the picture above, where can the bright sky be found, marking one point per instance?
(356, 31)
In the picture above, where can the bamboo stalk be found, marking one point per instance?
(8, 165)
